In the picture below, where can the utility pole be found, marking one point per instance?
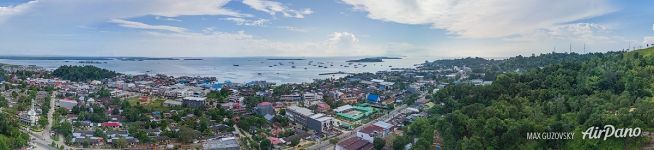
(570, 48)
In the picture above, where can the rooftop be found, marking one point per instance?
(356, 143)
(195, 98)
(300, 110)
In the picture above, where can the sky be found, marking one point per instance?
(314, 28)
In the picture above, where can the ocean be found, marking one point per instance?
(241, 69)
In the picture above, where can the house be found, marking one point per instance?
(194, 101)
(111, 124)
(265, 108)
(291, 97)
(172, 103)
(369, 133)
(227, 143)
(67, 103)
(354, 143)
(372, 98)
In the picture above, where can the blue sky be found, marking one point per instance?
(233, 28)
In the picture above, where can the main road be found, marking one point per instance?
(325, 144)
(45, 137)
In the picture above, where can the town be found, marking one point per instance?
(358, 112)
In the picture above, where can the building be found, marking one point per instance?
(290, 97)
(111, 124)
(264, 108)
(354, 113)
(194, 101)
(29, 118)
(319, 123)
(311, 97)
(228, 143)
(67, 103)
(172, 103)
(369, 133)
(372, 98)
(354, 143)
(299, 115)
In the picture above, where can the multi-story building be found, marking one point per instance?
(319, 123)
(194, 101)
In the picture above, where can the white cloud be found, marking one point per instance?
(139, 25)
(9, 11)
(83, 12)
(247, 22)
(341, 40)
(575, 32)
(273, 7)
(483, 19)
(292, 28)
(166, 18)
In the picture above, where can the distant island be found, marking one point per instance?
(286, 59)
(143, 58)
(82, 58)
(53, 58)
(91, 62)
(192, 59)
(373, 59)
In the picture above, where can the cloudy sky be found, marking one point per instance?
(232, 28)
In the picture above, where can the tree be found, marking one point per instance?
(379, 143)
(3, 102)
(120, 143)
(83, 73)
(187, 135)
(265, 144)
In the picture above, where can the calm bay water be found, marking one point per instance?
(242, 69)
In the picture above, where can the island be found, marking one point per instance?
(373, 59)
(285, 59)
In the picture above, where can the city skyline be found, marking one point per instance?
(224, 28)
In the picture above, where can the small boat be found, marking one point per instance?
(236, 65)
(292, 66)
(305, 68)
(259, 73)
(270, 66)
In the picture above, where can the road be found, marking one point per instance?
(325, 144)
(44, 137)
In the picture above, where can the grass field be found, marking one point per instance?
(646, 52)
(156, 103)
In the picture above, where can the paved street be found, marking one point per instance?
(326, 145)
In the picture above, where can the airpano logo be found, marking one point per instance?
(611, 131)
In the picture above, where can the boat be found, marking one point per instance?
(236, 65)
(270, 66)
(292, 66)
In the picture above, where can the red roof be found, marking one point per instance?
(111, 124)
(372, 129)
(356, 143)
(264, 104)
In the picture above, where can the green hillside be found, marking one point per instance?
(568, 95)
(645, 52)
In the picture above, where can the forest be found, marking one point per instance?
(554, 92)
(83, 73)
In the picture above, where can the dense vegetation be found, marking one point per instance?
(10, 135)
(83, 73)
(570, 94)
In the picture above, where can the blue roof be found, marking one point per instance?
(373, 97)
